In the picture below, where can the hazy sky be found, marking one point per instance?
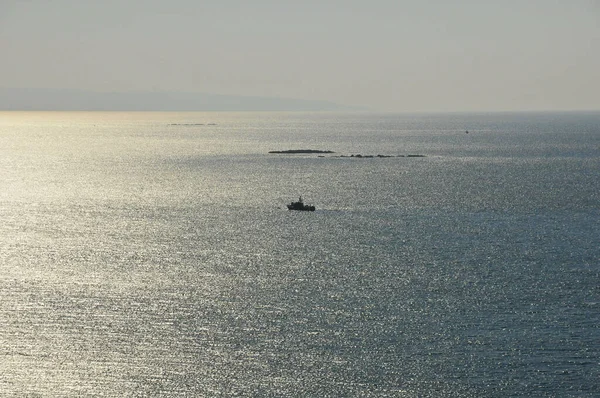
(397, 55)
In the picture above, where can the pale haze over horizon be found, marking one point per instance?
(396, 56)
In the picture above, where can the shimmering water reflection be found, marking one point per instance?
(144, 259)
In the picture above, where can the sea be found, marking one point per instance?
(152, 254)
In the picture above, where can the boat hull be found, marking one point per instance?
(294, 206)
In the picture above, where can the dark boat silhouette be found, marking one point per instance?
(299, 205)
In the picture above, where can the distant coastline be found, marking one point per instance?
(34, 99)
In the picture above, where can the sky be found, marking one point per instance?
(391, 56)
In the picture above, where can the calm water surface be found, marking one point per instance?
(151, 254)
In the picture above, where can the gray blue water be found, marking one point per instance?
(152, 255)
